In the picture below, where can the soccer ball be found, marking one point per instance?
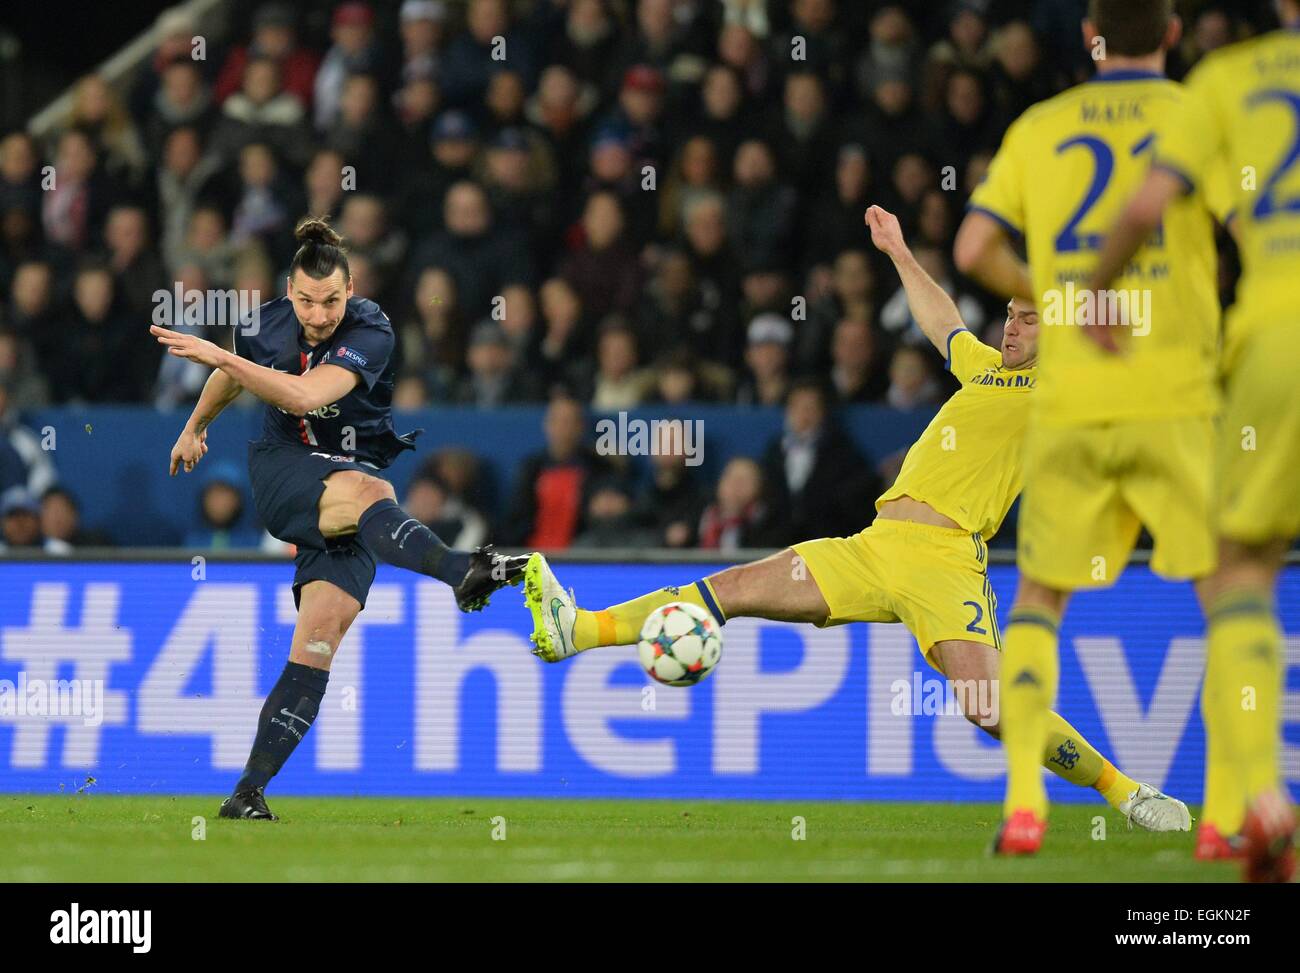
(680, 644)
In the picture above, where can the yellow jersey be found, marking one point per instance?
(967, 462)
(1243, 110)
(1064, 172)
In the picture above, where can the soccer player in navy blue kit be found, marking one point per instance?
(321, 360)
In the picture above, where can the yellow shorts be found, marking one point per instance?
(932, 579)
(1090, 489)
(1258, 461)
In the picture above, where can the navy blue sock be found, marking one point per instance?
(287, 715)
(399, 539)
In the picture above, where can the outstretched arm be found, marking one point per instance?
(295, 394)
(933, 309)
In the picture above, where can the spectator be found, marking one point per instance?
(262, 111)
(587, 42)
(739, 516)
(274, 37)
(912, 384)
(221, 510)
(20, 180)
(563, 340)
(767, 356)
(137, 268)
(106, 355)
(33, 314)
(550, 489)
(603, 268)
(431, 341)
(268, 202)
(182, 99)
(618, 382)
(671, 503)
(852, 295)
(186, 178)
(819, 483)
(323, 184)
(61, 521)
(459, 525)
(20, 524)
(365, 226)
(517, 174)
(481, 261)
(561, 110)
(611, 520)
(833, 223)
(721, 116)
(714, 324)
(97, 110)
(858, 364)
(422, 24)
(695, 170)
(364, 134)
(761, 211)
(469, 62)
(355, 50)
(495, 377)
(73, 210)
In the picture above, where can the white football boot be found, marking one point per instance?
(1150, 810)
(554, 611)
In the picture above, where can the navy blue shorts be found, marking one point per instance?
(287, 484)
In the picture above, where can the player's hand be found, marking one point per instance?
(886, 234)
(189, 346)
(189, 449)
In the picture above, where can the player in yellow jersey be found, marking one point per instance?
(1113, 443)
(923, 560)
(1243, 111)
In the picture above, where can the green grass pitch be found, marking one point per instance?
(101, 838)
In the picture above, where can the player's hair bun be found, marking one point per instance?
(320, 250)
(317, 230)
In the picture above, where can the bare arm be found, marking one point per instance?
(218, 392)
(983, 252)
(931, 306)
(192, 444)
(295, 394)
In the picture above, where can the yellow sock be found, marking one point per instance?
(1028, 686)
(1225, 797)
(621, 624)
(1245, 657)
(1072, 757)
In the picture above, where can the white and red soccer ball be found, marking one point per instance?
(680, 644)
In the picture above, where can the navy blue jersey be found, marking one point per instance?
(362, 343)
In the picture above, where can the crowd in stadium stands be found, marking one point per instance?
(625, 201)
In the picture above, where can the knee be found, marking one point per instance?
(370, 491)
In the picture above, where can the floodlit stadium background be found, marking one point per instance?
(897, 103)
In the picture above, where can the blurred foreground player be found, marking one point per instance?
(320, 360)
(1243, 109)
